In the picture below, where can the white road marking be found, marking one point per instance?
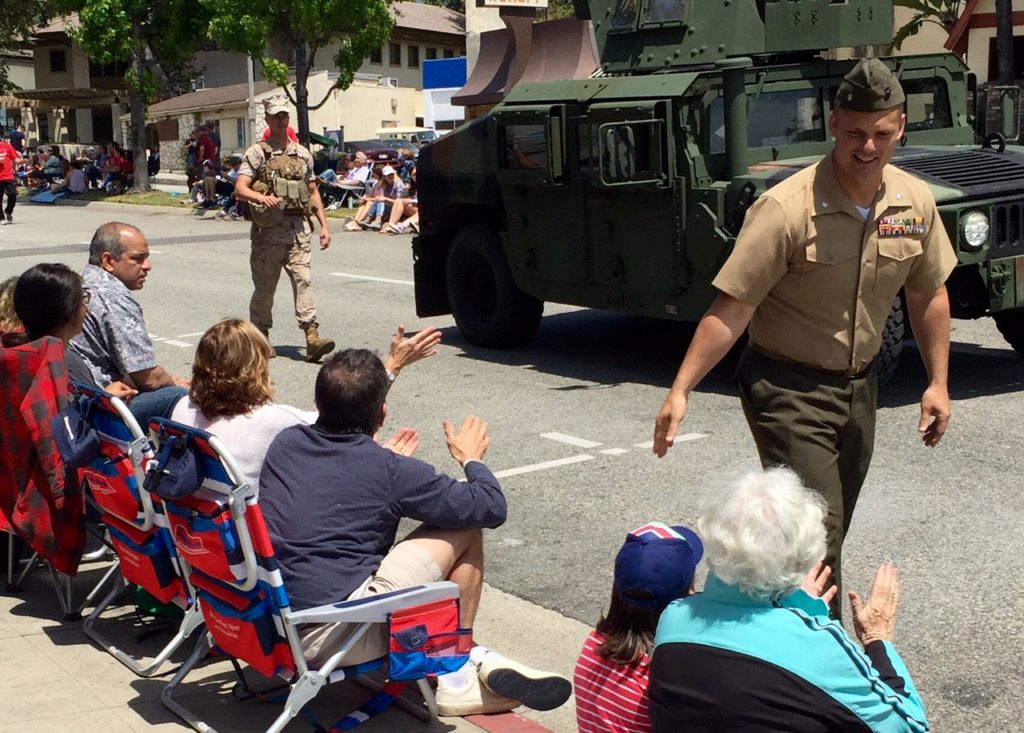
(542, 466)
(190, 335)
(570, 439)
(373, 279)
(684, 438)
(614, 451)
(170, 341)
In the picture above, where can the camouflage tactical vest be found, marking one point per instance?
(282, 174)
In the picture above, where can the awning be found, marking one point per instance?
(327, 142)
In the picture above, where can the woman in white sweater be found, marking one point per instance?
(232, 396)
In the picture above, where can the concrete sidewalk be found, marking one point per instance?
(55, 679)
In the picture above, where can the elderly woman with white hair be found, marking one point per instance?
(756, 650)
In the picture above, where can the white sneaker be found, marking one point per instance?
(534, 688)
(470, 699)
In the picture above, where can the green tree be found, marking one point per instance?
(306, 26)
(18, 20)
(943, 13)
(156, 38)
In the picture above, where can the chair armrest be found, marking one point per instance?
(375, 608)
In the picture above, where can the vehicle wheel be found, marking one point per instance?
(1011, 325)
(489, 309)
(893, 336)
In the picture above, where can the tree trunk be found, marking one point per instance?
(137, 109)
(1004, 41)
(301, 92)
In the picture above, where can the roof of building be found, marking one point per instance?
(58, 25)
(207, 98)
(432, 18)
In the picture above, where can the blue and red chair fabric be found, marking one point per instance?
(134, 521)
(227, 556)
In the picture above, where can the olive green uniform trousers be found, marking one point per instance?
(821, 425)
(283, 245)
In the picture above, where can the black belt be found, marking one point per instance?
(843, 373)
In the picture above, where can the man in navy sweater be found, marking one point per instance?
(333, 498)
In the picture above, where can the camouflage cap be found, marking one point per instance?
(274, 105)
(869, 87)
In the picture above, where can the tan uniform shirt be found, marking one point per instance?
(822, 278)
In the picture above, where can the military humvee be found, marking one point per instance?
(625, 191)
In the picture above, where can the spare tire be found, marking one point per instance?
(893, 336)
(489, 309)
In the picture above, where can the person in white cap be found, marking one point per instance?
(391, 189)
(276, 180)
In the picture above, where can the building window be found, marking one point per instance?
(449, 53)
(376, 56)
(58, 60)
(414, 57)
(395, 54)
(431, 53)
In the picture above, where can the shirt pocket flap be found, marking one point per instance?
(832, 244)
(899, 248)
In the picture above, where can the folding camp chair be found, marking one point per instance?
(37, 501)
(134, 521)
(225, 549)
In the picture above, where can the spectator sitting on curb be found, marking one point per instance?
(114, 341)
(655, 566)
(756, 650)
(333, 499)
(405, 212)
(74, 183)
(362, 215)
(231, 394)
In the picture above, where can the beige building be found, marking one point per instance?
(357, 112)
(22, 73)
(71, 99)
(421, 32)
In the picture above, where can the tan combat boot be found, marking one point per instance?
(316, 346)
(266, 335)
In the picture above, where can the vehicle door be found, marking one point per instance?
(543, 198)
(633, 202)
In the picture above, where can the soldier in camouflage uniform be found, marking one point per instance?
(276, 180)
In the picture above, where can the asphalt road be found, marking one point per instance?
(580, 401)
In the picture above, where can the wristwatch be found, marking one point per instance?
(392, 376)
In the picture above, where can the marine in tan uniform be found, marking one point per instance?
(814, 272)
(276, 179)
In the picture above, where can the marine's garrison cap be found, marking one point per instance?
(869, 87)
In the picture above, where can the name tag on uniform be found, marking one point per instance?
(896, 226)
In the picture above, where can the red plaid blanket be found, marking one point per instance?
(35, 498)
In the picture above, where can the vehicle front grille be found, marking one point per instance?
(975, 172)
(1007, 231)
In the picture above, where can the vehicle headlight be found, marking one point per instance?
(974, 228)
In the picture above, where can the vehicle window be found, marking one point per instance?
(927, 105)
(526, 147)
(624, 16)
(664, 11)
(586, 137)
(630, 152)
(774, 119)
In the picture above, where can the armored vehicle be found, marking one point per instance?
(625, 191)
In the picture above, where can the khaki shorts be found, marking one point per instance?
(406, 566)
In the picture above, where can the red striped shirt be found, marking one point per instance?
(610, 697)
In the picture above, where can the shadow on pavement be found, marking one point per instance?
(605, 349)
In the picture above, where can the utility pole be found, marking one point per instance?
(1004, 42)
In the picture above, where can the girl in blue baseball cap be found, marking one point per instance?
(655, 566)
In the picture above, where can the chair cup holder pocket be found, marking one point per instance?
(426, 640)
